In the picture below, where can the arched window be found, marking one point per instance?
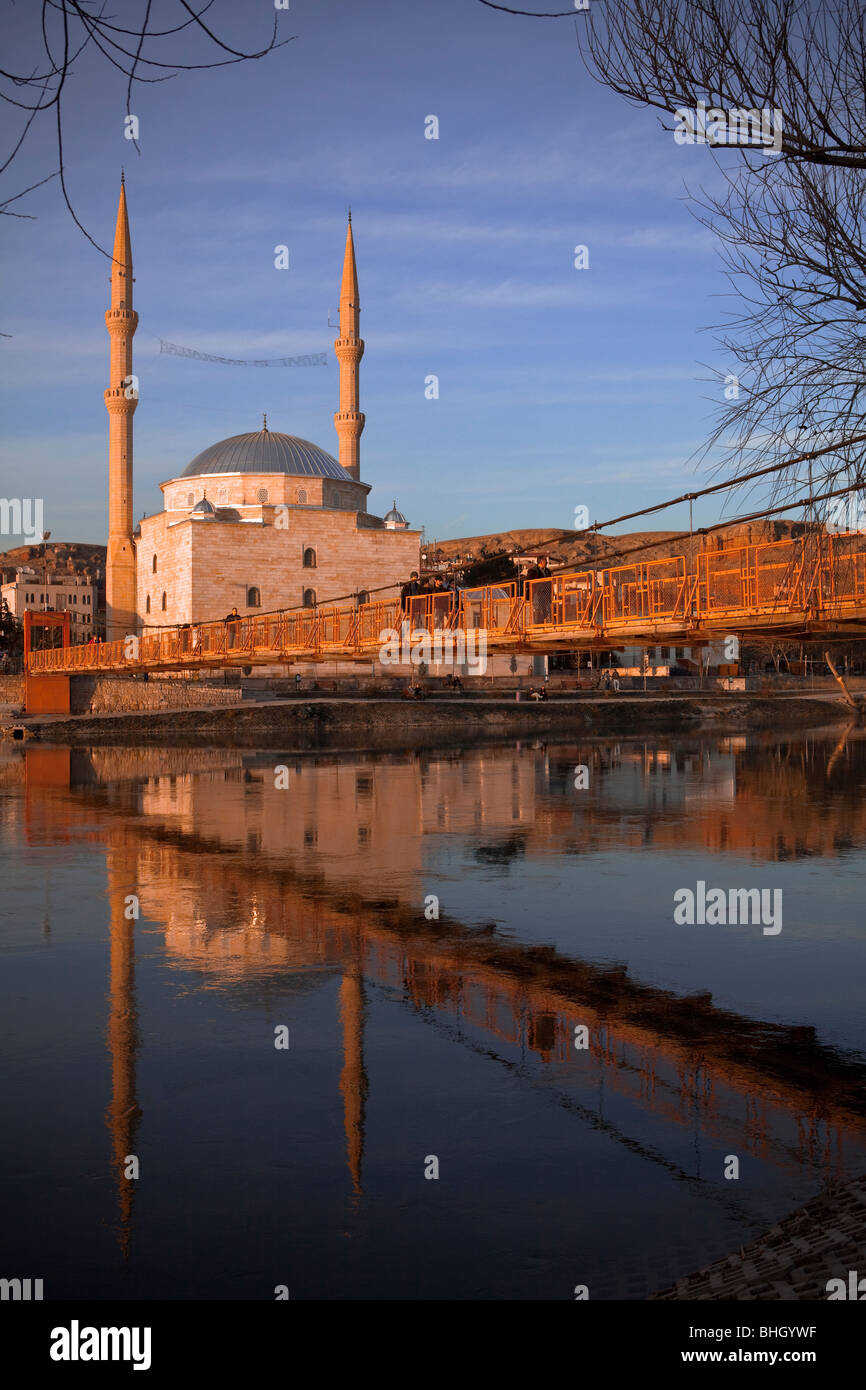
(154, 564)
(262, 494)
(254, 598)
(309, 598)
(309, 558)
(190, 498)
(164, 602)
(363, 597)
(302, 497)
(147, 604)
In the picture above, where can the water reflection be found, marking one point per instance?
(250, 884)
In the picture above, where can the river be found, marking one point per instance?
(424, 1025)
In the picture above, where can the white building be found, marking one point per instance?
(52, 593)
(660, 660)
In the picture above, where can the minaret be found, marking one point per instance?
(349, 347)
(121, 398)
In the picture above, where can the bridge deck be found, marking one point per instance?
(795, 587)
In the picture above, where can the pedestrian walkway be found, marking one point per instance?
(824, 1240)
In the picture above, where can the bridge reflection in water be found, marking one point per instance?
(328, 879)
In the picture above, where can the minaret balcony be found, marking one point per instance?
(116, 399)
(127, 318)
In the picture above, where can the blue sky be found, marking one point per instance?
(558, 387)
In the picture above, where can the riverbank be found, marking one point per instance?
(800, 1258)
(388, 723)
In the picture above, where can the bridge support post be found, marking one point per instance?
(45, 693)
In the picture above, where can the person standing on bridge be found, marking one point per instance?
(231, 621)
(541, 593)
(443, 600)
(410, 590)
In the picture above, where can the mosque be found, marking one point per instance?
(256, 522)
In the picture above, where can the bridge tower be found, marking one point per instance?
(349, 347)
(121, 398)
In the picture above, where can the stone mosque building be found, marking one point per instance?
(256, 522)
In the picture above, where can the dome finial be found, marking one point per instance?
(264, 422)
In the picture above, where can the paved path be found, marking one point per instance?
(825, 1239)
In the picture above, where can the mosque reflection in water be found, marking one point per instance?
(244, 886)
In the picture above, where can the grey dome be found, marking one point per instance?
(266, 451)
(204, 508)
(394, 515)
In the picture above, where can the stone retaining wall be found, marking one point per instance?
(11, 690)
(108, 695)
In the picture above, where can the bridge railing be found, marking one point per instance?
(782, 576)
(427, 612)
(491, 607)
(650, 589)
(724, 580)
(376, 618)
(563, 600)
(846, 569)
(779, 576)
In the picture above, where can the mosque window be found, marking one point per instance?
(254, 598)
(154, 564)
(224, 494)
(309, 598)
(302, 497)
(363, 597)
(309, 558)
(262, 494)
(190, 498)
(147, 604)
(164, 601)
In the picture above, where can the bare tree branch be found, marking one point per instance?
(789, 225)
(67, 28)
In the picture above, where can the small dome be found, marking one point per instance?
(203, 508)
(395, 518)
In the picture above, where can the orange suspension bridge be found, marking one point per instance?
(810, 586)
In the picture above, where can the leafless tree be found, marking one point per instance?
(63, 32)
(790, 224)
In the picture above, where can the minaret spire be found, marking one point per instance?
(349, 347)
(121, 398)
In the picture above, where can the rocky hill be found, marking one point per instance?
(57, 557)
(575, 548)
